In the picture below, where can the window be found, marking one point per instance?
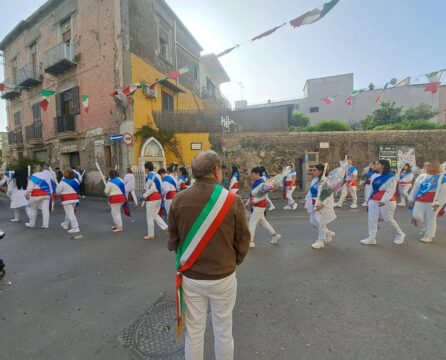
(34, 60)
(164, 40)
(67, 102)
(65, 30)
(153, 149)
(314, 109)
(36, 113)
(18, 120)
(41, 155)
(168, 101)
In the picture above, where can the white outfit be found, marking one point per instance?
(349, 187)
(289, 187)
(115, 209)
(222, 295)
(385, 212)
(153, 204)
(130, 187)
(168, 188)
(258, 203)
(39, 202)
(18, 200)
(423, 212)
(404, 185)
(234, 185)
(69, 205)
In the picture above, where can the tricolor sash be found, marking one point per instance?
(42, 184)
(171, 181)
(429, 184)
(314, 188)
(378, 182)
(74, 184)
(199, 235)
(120, 184)
(183, 182)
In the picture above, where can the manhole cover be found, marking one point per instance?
(154, 335)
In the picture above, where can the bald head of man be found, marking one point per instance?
(207, 164)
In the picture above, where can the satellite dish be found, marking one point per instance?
(393, 81)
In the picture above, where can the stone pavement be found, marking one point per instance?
(73, 298)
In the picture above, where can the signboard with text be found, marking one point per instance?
(398, 155)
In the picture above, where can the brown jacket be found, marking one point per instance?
(230, 243)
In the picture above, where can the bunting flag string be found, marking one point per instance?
(305, 19)
(434, 79)
(382, 92)
(328, 100)
(85, 103)
(351, 97)
(46, 94)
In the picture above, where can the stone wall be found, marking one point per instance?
(276, 149)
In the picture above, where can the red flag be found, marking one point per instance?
(44, 104)
(114, 93)
(267, 33)
(298, 21)
(378, 98)
(2, 87)
(349, 100)
(174, 74)
(432, 87)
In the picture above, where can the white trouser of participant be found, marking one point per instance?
(221, 294)
(258, 217)
(426, 217)
(152, 216)
(366, 193)
(135, 199)
(403, 192)
(386, 213)
(313, 219)
(17, 212)
(322, 231)
(348, 190)
(268, 201)
(167, 204)
(116, 214)
(42, 203)
(289, 195)
(70, 216)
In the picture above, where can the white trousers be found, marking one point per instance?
(321, 228)
(258, 216)
(366, 193)
(289, 195)
(167, 204)
(152, 216)
(348, 190)
(135, 199)
(313, 219)
(386, 213)
(426, 217)
(42, 203)
(268, 201)
(116, 214)
(70, 216)
(403, 192)
(221, 294)
(26, 208)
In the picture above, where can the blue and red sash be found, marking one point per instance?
(157, 195)
(378, 182)
(262, 203)
(428, 185)
(42, 184)
(169, 179)
(120, 184)
(74, 184)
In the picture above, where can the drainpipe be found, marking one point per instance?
(175, 44)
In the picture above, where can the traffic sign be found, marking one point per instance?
(127, 138)
(117, 137)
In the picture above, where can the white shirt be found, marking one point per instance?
(129, 182)
(17, 196)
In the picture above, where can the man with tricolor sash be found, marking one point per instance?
(40, 191)
(69, 190)
(209, 231)
(169, 189)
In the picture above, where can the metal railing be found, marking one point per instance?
(15, 137)
(58, 53)
(64, 123)
(34, 131)
(26, 73)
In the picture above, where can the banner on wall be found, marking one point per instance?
(398, 155)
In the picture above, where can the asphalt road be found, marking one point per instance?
(71, 298)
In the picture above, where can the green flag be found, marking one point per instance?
(47, 93)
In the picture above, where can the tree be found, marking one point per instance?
(329, 125)
(299, 120)
(421, 112)
(388, 113)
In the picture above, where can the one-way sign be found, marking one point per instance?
(117, 137)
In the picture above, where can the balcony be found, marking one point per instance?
(214, 94)
(60, 58)
(65, 126)
(15, 138)
(11, 91)
(34, 133)
(28, 76)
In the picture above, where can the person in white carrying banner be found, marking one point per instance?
(209, 232)
(427, 199)
(288, 187)
(382, 203)
(258, 202)
(405, 182)
(153, 197)
(350, 185)
(69, 190)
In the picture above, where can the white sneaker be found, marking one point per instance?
(353, 206)
(275, 238)
(368, 241)
(64, 226)
(44, 227)
(426, 239)
(365, 204)
(337, 205)
(295, 206)
(329, 235)
(318, 244)
(399, 239)
(288, 207)
(272, 207)
(74, 231)
(252, 244)
(15, 220)
(28, 225)
(402, 204)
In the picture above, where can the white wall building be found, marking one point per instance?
(341, 86)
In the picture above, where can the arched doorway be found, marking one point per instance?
(152, 151)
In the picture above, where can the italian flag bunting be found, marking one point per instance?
(85, 103)
(45, 94)
(434, 81)
(328, 100)
(313, 15)
(2, 87)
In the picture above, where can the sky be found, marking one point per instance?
(375, 39)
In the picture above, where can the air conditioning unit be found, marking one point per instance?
(150, 92)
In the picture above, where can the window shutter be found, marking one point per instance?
(59, 104)
(74, 104)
